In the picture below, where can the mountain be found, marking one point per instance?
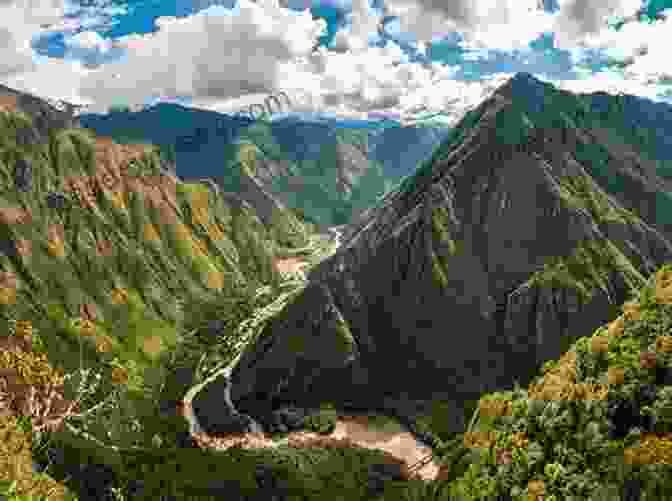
(401, 149)
(518, 236)
(328, 170)
(326, 187)
(122, 286)
(111, 269)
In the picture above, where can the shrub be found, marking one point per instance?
(324, 421)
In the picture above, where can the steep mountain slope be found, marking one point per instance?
(634, 121)
(593, 425)
(326, 190)
(402, 149)
(618, 128)
(108, 263)
(120, 288)
(492, 259)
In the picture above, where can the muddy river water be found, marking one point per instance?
(366, 431)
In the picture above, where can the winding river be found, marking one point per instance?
(190, 416)
(392, 437)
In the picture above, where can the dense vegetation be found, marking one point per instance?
(119, 290)
(112, 319)
(312, 183)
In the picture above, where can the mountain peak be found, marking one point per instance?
(526, 78)
(523, 84)
(486, 234)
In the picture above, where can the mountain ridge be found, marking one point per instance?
(206, 146)
(494, 259)
(448, 230)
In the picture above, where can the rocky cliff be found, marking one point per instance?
(501, 250)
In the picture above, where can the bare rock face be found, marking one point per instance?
(490, 261)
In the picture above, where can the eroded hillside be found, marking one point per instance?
(109, 262)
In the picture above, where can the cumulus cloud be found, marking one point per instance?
(640, 47)
(217, 53)
(503, 24)
(379, 81)
(268, 49)
(508, 24)
(20, 21)
(226, 59)
(51, 78)
(581, 19)
(613, 82)
(364, 24)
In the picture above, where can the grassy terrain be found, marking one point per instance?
(106, 301)
(109, 330)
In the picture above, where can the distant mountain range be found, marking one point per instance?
(326, 157)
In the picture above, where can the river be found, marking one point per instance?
(394, 437)
(190, 416)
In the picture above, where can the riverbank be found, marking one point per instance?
(365, 430)
(380, 429)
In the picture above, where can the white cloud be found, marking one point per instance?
(364, 24)
(377, 80)
(642, 46)
(504, 24)
(227, 59)
(507, 24)
(51, 78)
(20, 21)
(579, 20)
(612, 82)
(267, 50)
(216, 53)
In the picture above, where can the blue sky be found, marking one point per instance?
(351, 58)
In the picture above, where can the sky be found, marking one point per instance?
(357, 59)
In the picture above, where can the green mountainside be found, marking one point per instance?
(329, 171)
(522, 236)
(111, 269)
(594, 425)
(121, 287)
(326, 188)
(611, 128)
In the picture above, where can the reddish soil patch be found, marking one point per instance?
(8, 103)
(290, 265)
